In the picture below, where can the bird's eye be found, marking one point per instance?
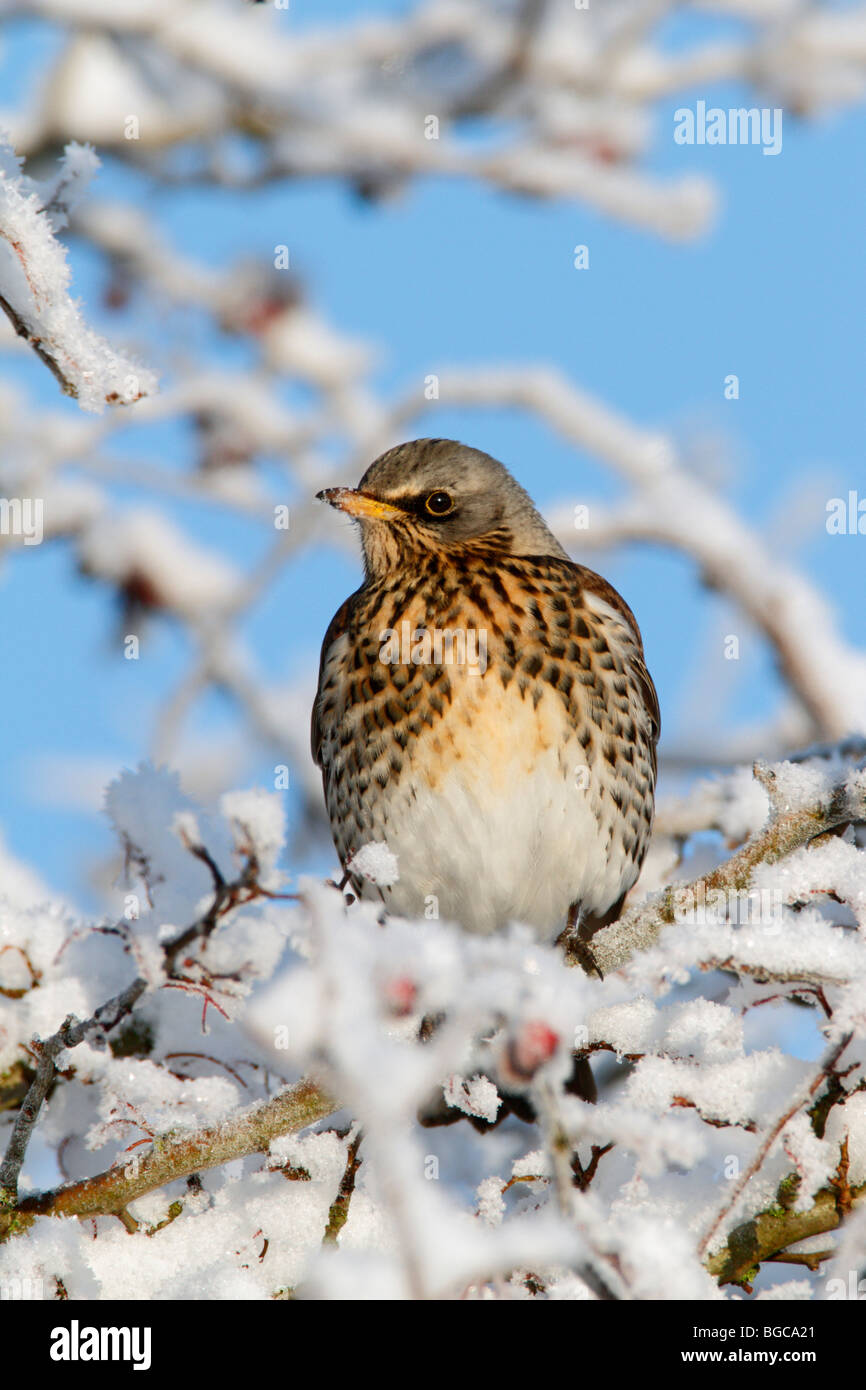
(439, 503)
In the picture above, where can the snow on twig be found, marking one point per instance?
(35, 280)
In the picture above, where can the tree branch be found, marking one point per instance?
(771, 1135)
(176, 1156)
(770, 1232)
(24, 332)
(70, 1034)
(338, 1214)
(785, 831)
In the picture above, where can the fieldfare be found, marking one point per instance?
(483, 706)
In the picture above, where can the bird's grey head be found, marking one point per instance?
(436, 495)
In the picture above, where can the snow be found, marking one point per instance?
(660, 1261)
(813, 1159)
(97, 85)
(34, 280)
(702, 1029)
(143, 807)
(477, 1096)
(491, 1202)
(316, 985)
(137, 1098)
(738, 1091)
(376, 862)
(790, 1290)
(799, 785)
(144, 548)
(258, 820)
(699, 1043)
(301, 342)
(849, 1119)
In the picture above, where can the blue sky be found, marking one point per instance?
(450, 273)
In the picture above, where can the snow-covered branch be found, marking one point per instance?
(34, 285)
(176, 1156)
(379, 102)
(795, 821)
(346, 1011)
(168, 1036)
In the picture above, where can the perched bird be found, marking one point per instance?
(483, 705)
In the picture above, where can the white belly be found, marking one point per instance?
(499, 819)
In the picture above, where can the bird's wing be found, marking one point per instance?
(592, 584)
(336, 629)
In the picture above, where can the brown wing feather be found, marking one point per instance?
(336, 628)
(588, 579)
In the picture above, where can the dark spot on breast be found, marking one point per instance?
(476, 594)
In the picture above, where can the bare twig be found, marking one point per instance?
(338, 1214)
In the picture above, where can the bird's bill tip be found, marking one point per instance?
(358, 504)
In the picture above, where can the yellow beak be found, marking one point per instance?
(358, 504)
